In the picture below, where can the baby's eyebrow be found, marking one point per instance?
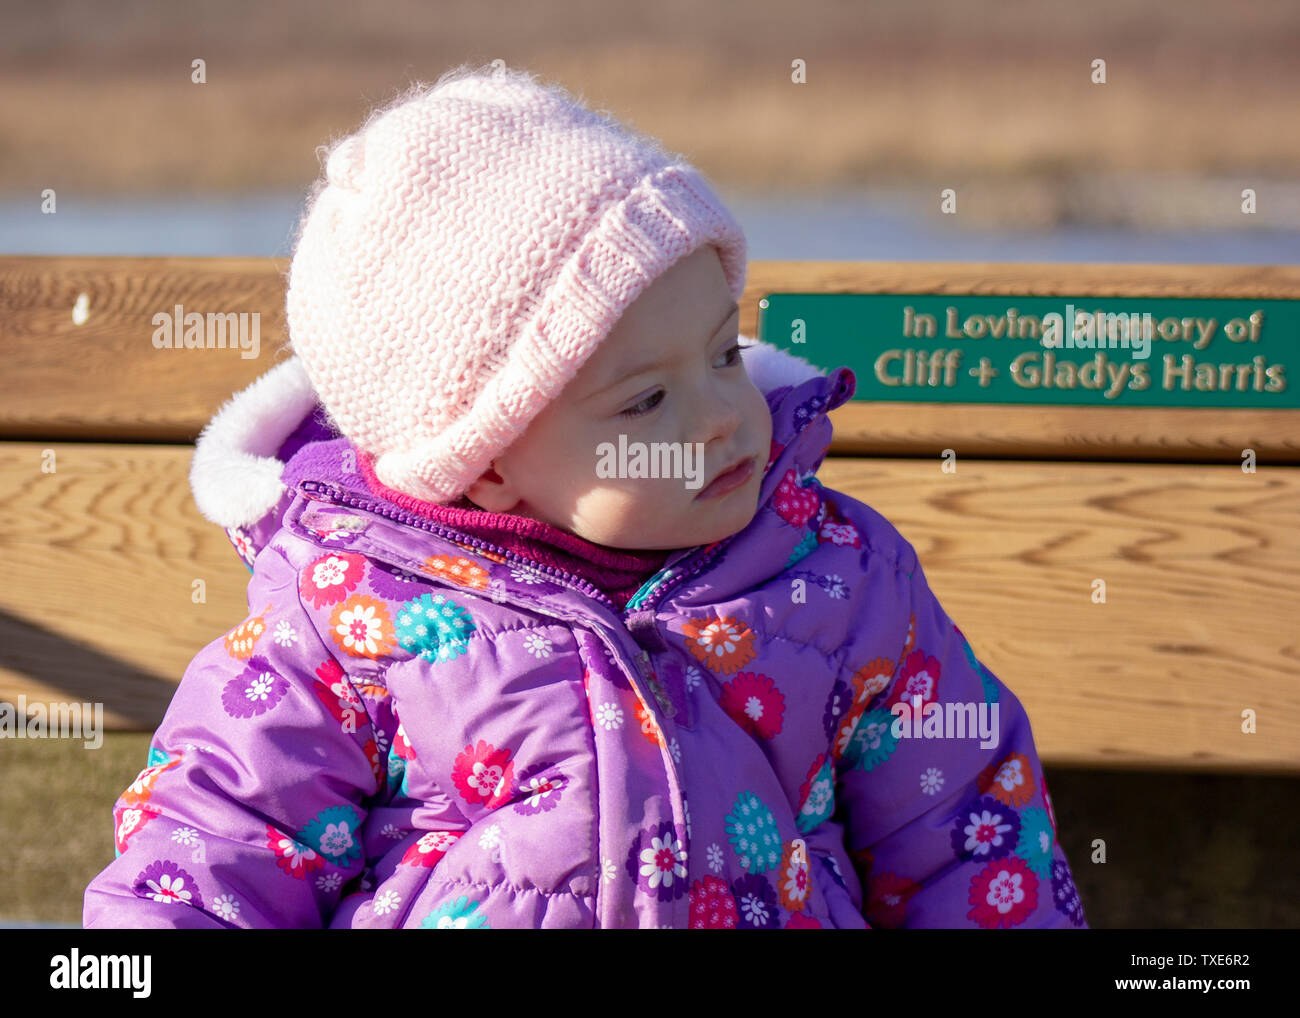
(637, 369)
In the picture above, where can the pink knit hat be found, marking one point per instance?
(467, 250)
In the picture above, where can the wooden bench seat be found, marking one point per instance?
(1201, 561)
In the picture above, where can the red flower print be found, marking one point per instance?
(372, 754)
(713, 907)
(457, 569)
(431, 847)
(1010, 780)
(887, 899)
(292, 856)
(130, 821)
(1003, 894)
(402, 745)
(799, 921)
(793, 877)
(484, 774)
(918, 676)
(793, 503)
(649, 727)
(754, 703)
(721, 644)
(362, 626)
(142, 787)
(331, 578)
(241, 640)
(836, 529)
(334, 690)
(911, 636)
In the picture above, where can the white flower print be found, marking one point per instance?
(609, 716)
(663, 861)
(329, 882)
(537, 645)
(608, 871)
(226, 907)
(261, 686)
(391, 831)
(693, 678)
(386, 902)
(329, 573)
(686, 808)
(754, 910)
(168, 890)
(676, 750)
(984, 832)
(490, 838)
(714, 854)
(337, 839)
(931, 781)
(186, 836)
(285, 634)
(523, 575)
(835, 586)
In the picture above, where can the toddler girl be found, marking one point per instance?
(488, 681)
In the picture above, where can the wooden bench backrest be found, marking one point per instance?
(1201, 560)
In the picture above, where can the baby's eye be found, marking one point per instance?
(645, 406)
(733, 356)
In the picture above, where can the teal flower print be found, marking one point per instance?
(873, 740)
(434, 627)
(461, 914)
(335, 834)
(803, 549)
(751, 829)
(1036, 841)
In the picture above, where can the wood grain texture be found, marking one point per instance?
(1201, 563)
(103, 380)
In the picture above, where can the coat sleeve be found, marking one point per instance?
(248, 813)
(947, 816)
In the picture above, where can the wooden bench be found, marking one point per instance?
(101, 554)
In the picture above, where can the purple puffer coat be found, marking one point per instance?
(412, 729)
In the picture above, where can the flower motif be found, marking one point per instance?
(334, 833)
(608, 871)
(128, 822)
(226, 906)
(871, 680)
(483, 774)
(527, 576)
(712, 905)
(334, 690)
(186, 836)
(931, 781)
(294, 858)
(457, 569)
(329, 882)
(539, 789)
(657, 862)
(460, 914)
(243, 544)
(1036, 842)
(887, 898)
(693, 678)
(1003, 894)
(254, 691)
(142, 787)
(794, 502)
(1047, 804)
(722, 644)
(918, 677)
(816, 795)
(873, 740)
(649, 727)
(794, 878)
(799, 921)
(431, 847)
(537, 645)
(713, 854)
(755, 902)
(609, 716)
(806, 546)
(751, 829)
(167, 884)
(362, 627)
(834, 586)
(241, 640)
(911, 637)
(434, 627)
(1064, 894)
(331, 578)
(754, 703)
(285, 635)
(985, 829)
(1010, 781)
(675, 748)
(386, 902)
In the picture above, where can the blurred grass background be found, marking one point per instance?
(993, 99)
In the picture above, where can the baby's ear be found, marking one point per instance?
(491, 493)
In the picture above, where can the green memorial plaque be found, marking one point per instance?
(1127, 351)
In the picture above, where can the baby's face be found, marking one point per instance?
(668, 381)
